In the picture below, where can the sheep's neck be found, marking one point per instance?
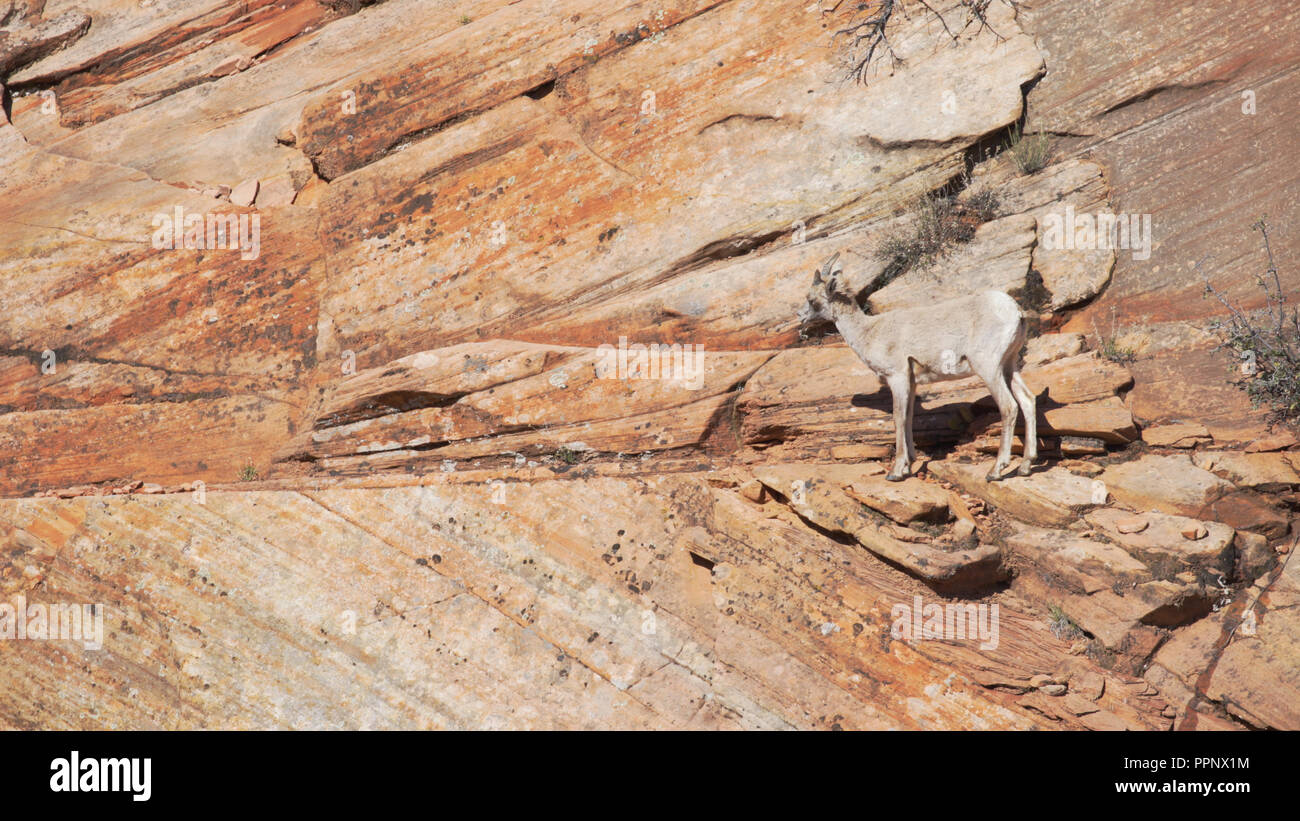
(851, 322)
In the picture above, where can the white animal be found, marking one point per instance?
(982, 333)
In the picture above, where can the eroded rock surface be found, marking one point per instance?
(501, 416)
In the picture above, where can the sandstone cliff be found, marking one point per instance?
(372, 468)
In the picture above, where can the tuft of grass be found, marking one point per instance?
(1265, 343)
(1117, 353)
(248, 473)
(465, 20)
(1111, 348)
(1062, 626)
(567, 455)
(1031, 152)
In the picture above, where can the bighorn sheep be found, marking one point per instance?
(982, 333)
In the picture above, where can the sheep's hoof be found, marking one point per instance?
(993, 475)
(1024, 469)
(895, 477)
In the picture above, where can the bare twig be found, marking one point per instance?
(869, 21)
(1262, 227)
(869, 30)
(1268, 339)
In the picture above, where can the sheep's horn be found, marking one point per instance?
(826, 268)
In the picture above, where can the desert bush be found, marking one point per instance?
(1265, 342)
(938, 224)
(984, 203)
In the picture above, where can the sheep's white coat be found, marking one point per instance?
(983, 333)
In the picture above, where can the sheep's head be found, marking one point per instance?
(826, 288)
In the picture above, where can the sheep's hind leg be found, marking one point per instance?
(911, 417)
(1006, 403)
(901, 389)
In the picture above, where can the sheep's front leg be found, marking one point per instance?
(901, 388)
(1025, 398)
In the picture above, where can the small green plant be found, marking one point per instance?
(248, 473)
(465, 20)
(1117, 353)
(1031, 152)
(1062, 626)
(1265, 343)
(567, 455)
(1110, 346)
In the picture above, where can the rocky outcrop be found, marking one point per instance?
(850, 503)
(488, 406)
(1137, 89)
(659, 602)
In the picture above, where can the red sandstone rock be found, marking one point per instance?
(1176, 436)
(512, 204)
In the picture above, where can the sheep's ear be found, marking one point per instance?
(817, 277)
